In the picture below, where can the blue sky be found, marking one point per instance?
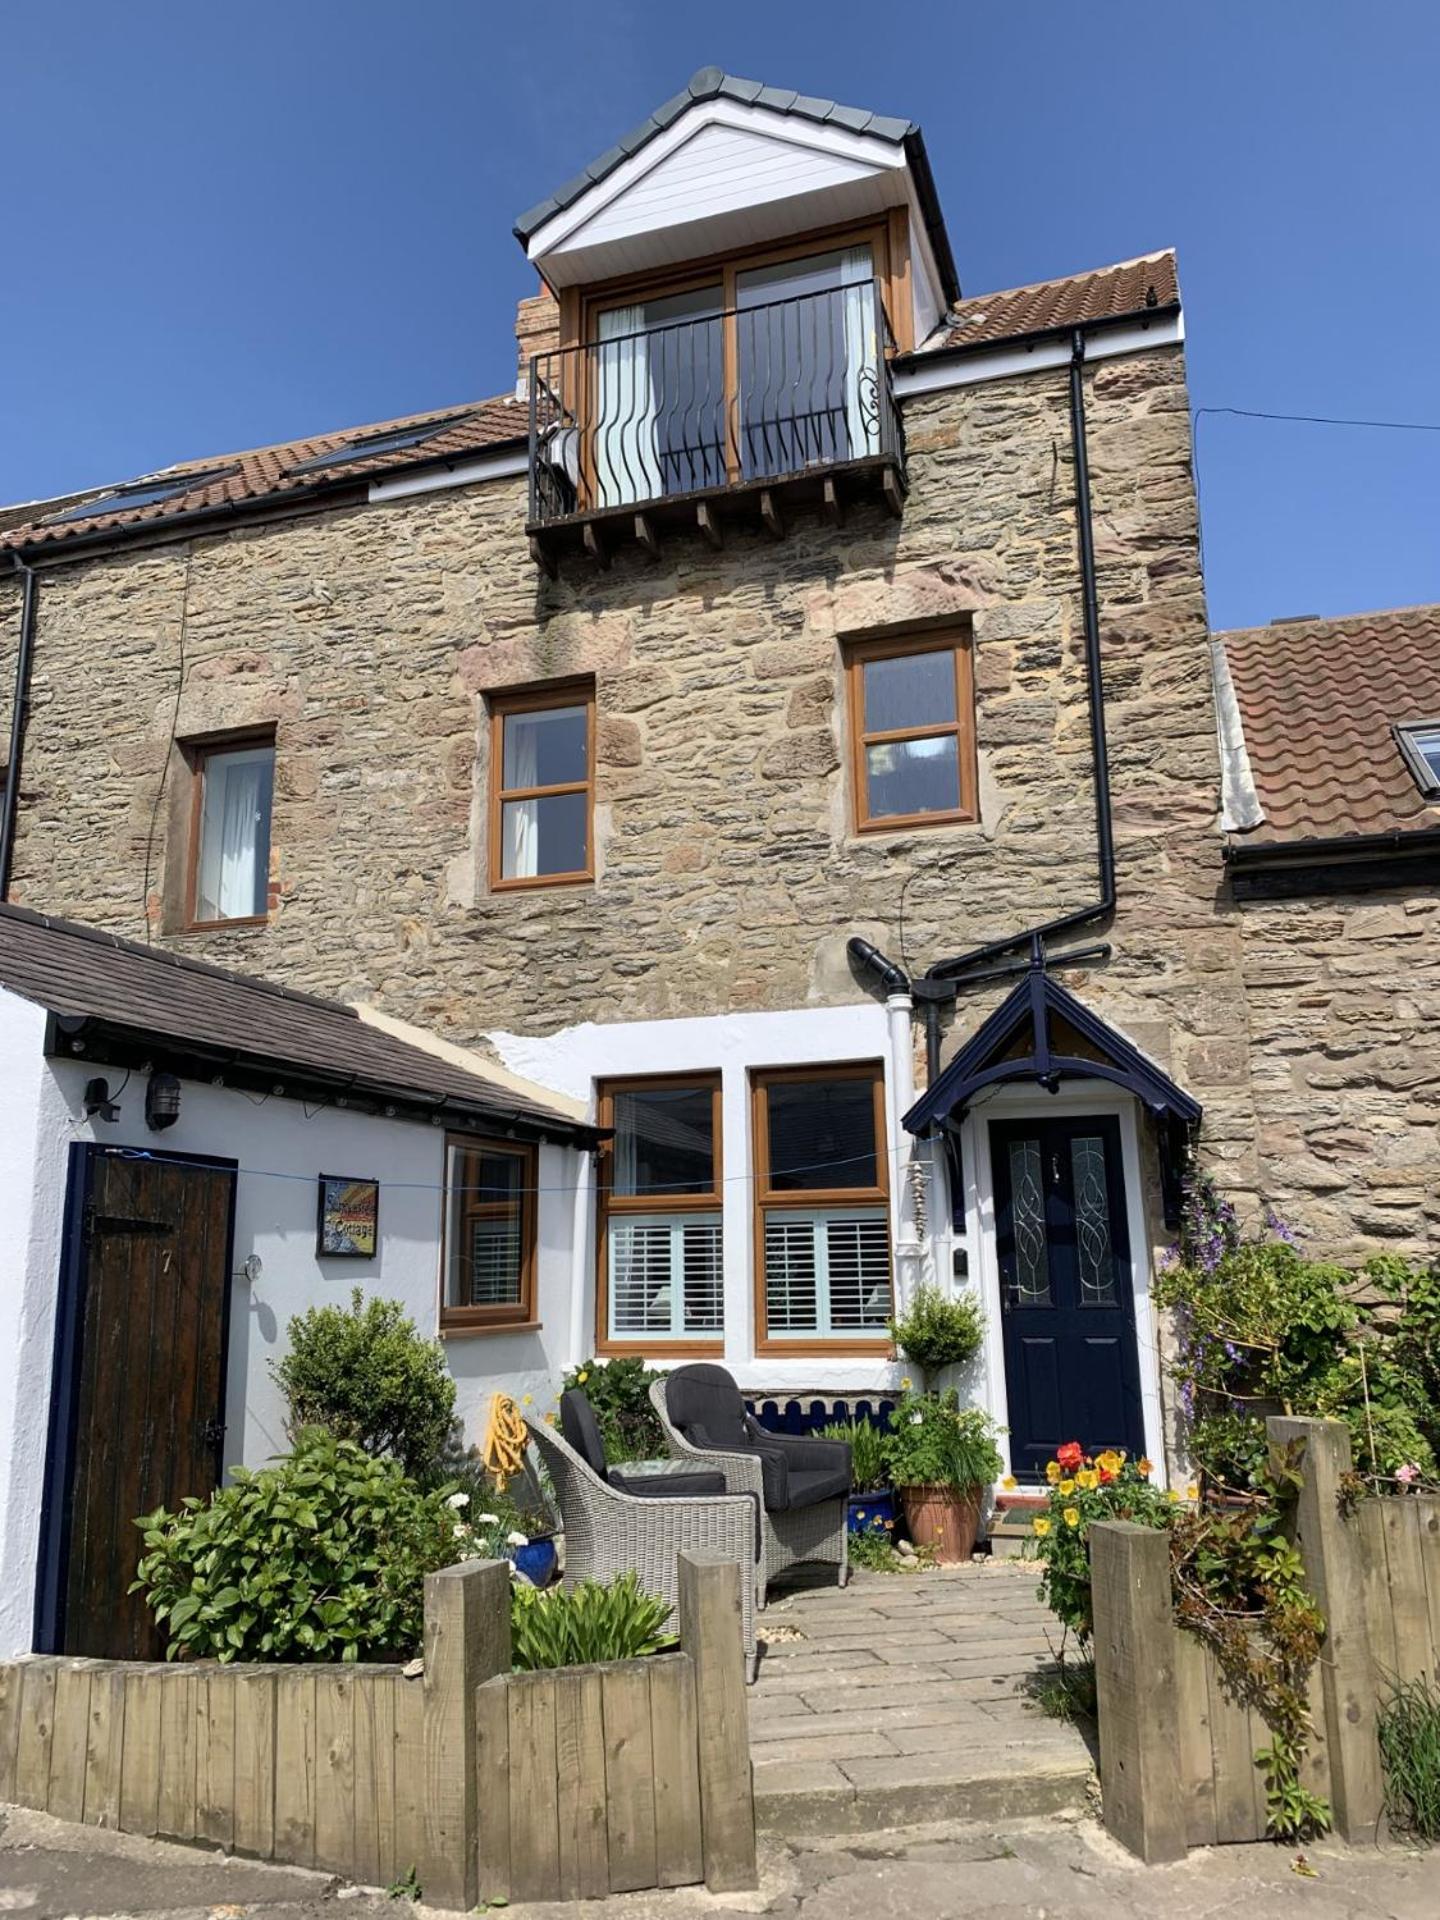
(232, 224)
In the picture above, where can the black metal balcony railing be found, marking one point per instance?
(759, 393)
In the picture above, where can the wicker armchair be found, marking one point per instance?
(780, 1470)
(608, 1532)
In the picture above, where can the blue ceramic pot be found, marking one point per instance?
(536, 1560)
(870, 1510)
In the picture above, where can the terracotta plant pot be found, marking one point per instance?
(945, 1518)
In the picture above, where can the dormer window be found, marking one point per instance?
(1419, 742)
(732, 281)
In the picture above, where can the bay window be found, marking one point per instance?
(661, 1277)
(822, 1208)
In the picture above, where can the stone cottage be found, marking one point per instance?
(786, 725)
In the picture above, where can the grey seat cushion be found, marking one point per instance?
(810, 1485)
(668, 1486)
(582, 1430)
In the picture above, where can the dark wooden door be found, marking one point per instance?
(150, 1281)
(1072, 1368)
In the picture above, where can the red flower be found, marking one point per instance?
(1105, 1476)
(1070, 1455)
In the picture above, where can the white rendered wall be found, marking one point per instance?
(733, 1045)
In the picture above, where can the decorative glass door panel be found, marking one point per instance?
(1067, 1306)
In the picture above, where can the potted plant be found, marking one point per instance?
(936, 1331)
(942, 1456)
(872, 1497)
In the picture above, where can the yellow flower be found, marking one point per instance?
(1052, 1471)
(525, 1400)
(1009, 1483)
(1110, 1461)
(1065, 1488)
(1144, 1466)
(905, 1383)
(581, 1378)
(549, 1419)
(1173, 1497)
(1072, 1516)
(1088, 1479)
(1192, 1492)
(1041, 1525)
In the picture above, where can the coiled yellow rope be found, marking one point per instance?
(503, 1448)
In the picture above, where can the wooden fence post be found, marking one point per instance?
(1137, 1691)
(1335, 1576)
(467, 1641)
(709, 1620)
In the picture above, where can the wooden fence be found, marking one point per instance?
(1177, 1751)
(358, 1770)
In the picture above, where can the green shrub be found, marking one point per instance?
(321, 1556)
(365, 1374)
(1410, 1752)
(936, 1331)
(934, 1441)
(619, 1392)
(866, 1442)
(584, 1625)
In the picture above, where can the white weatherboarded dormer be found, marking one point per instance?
(729, 165)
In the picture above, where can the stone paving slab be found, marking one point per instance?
(904, 1699)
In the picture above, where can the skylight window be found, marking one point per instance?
(1419, 741)
(394, 441)
(143, 493)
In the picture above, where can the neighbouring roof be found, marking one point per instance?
(203, 1018)
(239, 480)
(1135, 288)
(1318, 700)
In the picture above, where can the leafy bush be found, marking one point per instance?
(619, 1392)
(586, 1624)
(1410, 1752)
(321, 1556)
(1082, 1491)
(365, 1374)
(937, 1331)
(866, 1441)
(934, 1441)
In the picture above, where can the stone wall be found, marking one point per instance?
(727, 874)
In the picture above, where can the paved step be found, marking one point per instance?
(818, 1797)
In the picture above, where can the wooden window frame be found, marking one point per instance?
(814, 1199)
(572, 693)
(198, 752)
(893, 646)
(510, 1316)
(611, 1205)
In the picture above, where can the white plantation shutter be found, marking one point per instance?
(495, 1261)
(665, 1277)
(827, 1274)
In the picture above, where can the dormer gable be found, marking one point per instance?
(729, 164)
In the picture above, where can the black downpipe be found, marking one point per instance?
(1104, 829)
(19, 714)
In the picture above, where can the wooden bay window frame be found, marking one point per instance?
(706, 1205)
(833, 1200)
(575, 693)
(198, 751)
(957, 640)
(508, 1316)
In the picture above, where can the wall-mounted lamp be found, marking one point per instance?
(97, 1102)
(162, 1101)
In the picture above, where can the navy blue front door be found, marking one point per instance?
(1067, 1305)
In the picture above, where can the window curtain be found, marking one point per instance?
(627, 467)
(520, 827)
(236, 850)
(862, 352)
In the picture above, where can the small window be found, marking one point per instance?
(395, 440)
(142, 493)
(542, 772)
(490, 1194)
(912, 731)
(1420, 743)
(661, 1273)
(234, 792)
(822, 1208)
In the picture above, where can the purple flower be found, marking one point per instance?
(1280, 1228)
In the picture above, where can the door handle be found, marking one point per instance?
(213, 1432)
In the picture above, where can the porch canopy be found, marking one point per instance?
(1042, 1033)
